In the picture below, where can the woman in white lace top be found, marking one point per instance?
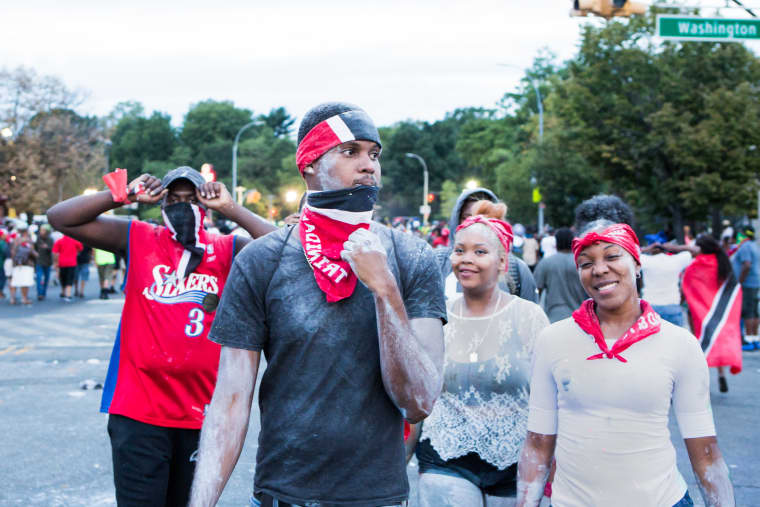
(469, 445)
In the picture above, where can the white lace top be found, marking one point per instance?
(484, 404)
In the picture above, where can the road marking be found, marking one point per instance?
(6, 350)
(21, 351)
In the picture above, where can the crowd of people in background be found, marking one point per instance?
(503, 284)
(34, 257)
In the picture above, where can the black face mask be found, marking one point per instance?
(359, 198)
(184, 220)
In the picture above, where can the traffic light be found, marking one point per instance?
(430, 197)
(607, 8)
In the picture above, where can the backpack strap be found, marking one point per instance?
(279, 254)
(398, 264)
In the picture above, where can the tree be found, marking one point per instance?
(24, 94)
(137, 140)
(55, 157)
(436, 143)
(643, 114)
(209, 131)
(25, 175)
(279, 121)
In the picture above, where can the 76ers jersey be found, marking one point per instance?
(163, 368)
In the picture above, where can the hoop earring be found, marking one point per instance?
(638, 275)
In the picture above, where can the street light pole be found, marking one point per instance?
(234, 153)
(425, 205)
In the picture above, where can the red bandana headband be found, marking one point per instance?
(336, 130)
(502, 229)
(619, 234)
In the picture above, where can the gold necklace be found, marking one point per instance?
(473, 347)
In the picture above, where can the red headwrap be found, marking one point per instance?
(502, 229)
(336, 130)
(619, 234)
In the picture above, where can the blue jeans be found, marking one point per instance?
(671, 313)
(43, 278)
(2, 278)
(686, 501)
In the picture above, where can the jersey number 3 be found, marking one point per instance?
(195, 326)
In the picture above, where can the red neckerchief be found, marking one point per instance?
(322, 239)
(647, 325)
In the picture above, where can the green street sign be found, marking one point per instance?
(694, 28)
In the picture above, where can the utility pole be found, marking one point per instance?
(425, 208)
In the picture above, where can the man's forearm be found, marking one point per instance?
(224, 427)
(80, 210)
(251, 222)
(412, 378)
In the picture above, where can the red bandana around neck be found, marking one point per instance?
(322, 238)
(646, 325)
(619, 234)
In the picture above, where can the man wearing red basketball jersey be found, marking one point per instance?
(163, 369)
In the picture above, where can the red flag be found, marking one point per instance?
(715, 309)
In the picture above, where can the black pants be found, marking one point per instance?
(151, 464)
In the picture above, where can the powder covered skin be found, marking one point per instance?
(533, 471)
(225, 426)
(412, 374)
(721, 492)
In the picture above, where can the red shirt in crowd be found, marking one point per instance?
(67, 249)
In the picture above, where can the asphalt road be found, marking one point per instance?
(55, 450)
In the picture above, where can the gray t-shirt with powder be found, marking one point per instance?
(329, 432)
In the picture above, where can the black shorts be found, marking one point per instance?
(152, 465)
(471, 467)
(68, 276)
(749, 303)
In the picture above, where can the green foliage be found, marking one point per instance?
(137, 140)
(209, 131)
(260, 159)
(436, 144)
(450, 191)
(669, 127)
(279, 121)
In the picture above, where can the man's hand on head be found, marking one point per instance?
(214, 195)
(146, 189)
(365, 253)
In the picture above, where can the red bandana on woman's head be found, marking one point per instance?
(619, 234)
(502, 229)
(646, 325)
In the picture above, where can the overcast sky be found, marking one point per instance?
(397, 59)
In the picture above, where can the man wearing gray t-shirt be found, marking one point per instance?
(557, 276)
(349, 316)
